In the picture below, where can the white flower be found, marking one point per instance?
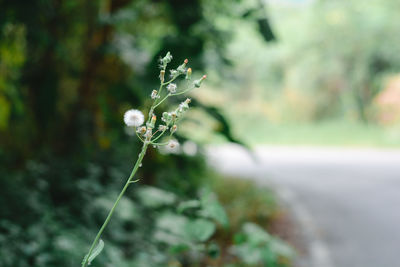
(133, 117)
(171, 88)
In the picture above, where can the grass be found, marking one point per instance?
(326, 133)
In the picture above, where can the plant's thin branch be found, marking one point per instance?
(168, 95)
(183, 92)
(158, 137)
(137, 134)
(172, 79)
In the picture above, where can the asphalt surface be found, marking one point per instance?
(346, 200)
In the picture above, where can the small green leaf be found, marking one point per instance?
(190, 204)
(154, 197)
(212, 209)
(96, 251)
(200, 230)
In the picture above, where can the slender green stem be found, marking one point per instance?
(183, 92)
(128, 182)
(160, 144)
(162, 100)
(138, 136)
(172, 79)
(158, 137)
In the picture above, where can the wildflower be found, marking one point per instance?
(141, 130)
(167, 59)
(133, 117)
(166, 117)
(173, 144)
(154, 94)
(174, 128)
(184, 105)
(198, 82)
(174, 115)
(162, 128)
(173, 73)
(182, 68)
(171, 88)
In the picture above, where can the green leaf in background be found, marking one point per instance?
(255, 246)
(170, 229)
(255, 234)
(211, 208)
(200, 230)
(154, 197)
(190, 204)
(178, 230)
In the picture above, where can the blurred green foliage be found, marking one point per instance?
(68, 71)
(322, 80)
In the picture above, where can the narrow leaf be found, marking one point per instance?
(96, 251)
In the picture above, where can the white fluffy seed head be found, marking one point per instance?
(171, 148)
(133, 117)
(173, 144)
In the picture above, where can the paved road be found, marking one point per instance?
(347, 200)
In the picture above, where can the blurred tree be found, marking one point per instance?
(68, 71)
(344, 48)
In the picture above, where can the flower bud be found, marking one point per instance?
(173, 115)
(167, 59)
(198, 82)
(154, 94)
(162, 75)
(141, 130)
(188, 74)
(166, 117)
(182, 68)
(162, 128)
(152, 122)
(173, 73)
(174, 128)
(183, 106)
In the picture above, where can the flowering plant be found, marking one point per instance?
(149, 134)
